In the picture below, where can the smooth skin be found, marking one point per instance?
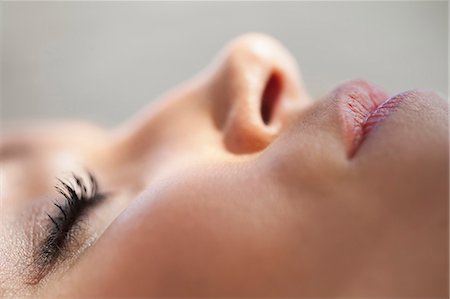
(206, 199)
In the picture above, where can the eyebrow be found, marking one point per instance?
(14, 149)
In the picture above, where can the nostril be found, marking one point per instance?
(270, 97)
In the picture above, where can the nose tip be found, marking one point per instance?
(258, 55)
(259, 83)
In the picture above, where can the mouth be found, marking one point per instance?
(362, 107)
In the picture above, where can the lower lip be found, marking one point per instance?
(362, 106)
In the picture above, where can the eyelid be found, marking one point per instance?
(59, 231)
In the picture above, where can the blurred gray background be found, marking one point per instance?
(105, 60)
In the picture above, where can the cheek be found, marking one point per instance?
(187, 235)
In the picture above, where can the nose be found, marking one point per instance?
(257, 85)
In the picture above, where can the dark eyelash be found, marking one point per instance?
(77, 198)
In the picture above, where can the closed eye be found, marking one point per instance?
(78, 195)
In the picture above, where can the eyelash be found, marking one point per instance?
(62, 222)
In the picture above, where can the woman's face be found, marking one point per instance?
(238, 184)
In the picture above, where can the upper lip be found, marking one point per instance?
(362, 106)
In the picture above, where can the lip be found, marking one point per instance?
(362, 107)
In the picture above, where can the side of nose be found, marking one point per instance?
(255, 87)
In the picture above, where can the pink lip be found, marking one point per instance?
(362, 107)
